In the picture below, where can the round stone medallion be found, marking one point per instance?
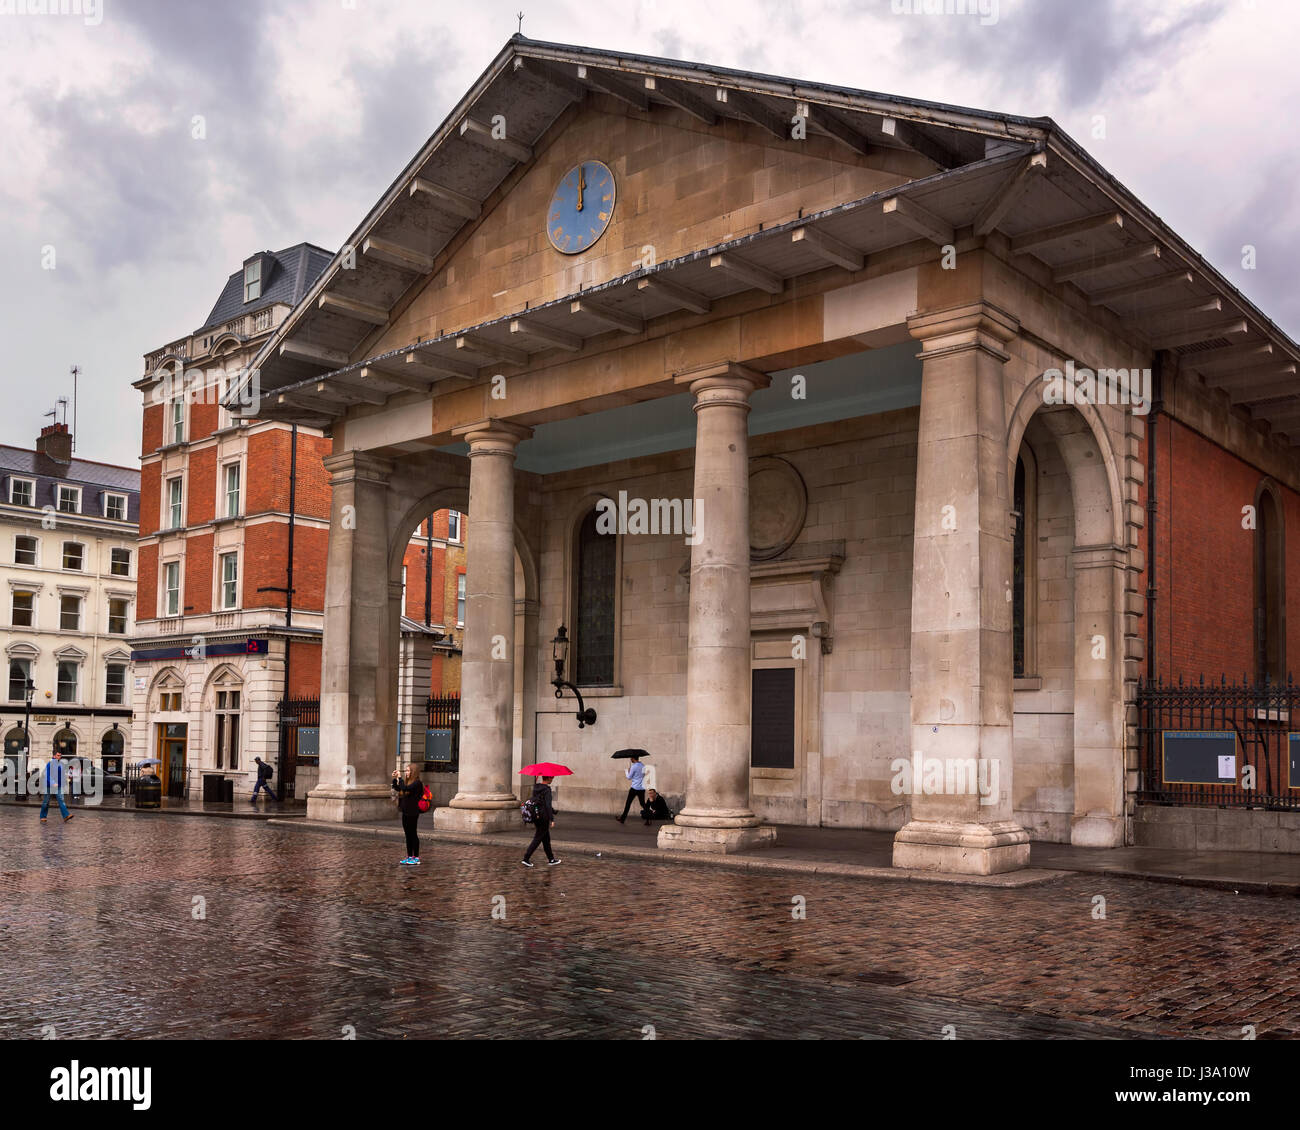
(778, 507)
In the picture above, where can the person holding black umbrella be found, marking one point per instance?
(636, 775)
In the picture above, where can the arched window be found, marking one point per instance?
(15, 742)
(1024, 571)
(595, 603)
(226, 693)
(65, 741)
(1270, 591)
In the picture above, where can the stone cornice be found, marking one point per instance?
(974, 325)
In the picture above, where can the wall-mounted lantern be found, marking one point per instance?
(560, 652)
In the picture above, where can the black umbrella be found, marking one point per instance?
(628, 753)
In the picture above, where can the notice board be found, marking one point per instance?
(1199, 757)
(772, 718)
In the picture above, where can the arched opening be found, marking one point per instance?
(1068, 570)
(15, 754)
(65, 742)
(1270, 587)
(112, 750)
(429, 614)
(223, 703)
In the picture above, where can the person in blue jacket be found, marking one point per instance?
(636, 775)
(56, 780)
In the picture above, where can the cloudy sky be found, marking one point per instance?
(311, 108)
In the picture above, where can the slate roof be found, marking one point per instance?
(93, 478)
(292, 274)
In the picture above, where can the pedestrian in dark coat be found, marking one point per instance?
(545, 822)
(264, 772)
(656, 808)
(409, 793)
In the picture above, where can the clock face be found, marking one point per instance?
(581, 207)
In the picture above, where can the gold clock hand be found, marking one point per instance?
(582, 184)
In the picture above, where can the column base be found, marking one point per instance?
(361, 805)
(961, 848)
(478, 821)
(719, 841)
(1097, 831)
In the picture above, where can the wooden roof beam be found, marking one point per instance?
(1104, 223)
(615, 87)
(476, 343)
(558, 339)
(1240, 378)
(316, 404)
(1189, 304)
(1284, 384)
(919, 140)
(345, 393)
(399, 255)
(684, 298)
(744, 271)
(353, 308)
(1233, 327)
(471, 129)
(827, 247)
(1141, 286)
(444, 199)
(1091, 264)
(550, 76)
(407, 382)
(1005, 198)
(1240, 355)
(614, 319)
(754, 109)
(318, 354)
(826, 123)
(920, 219)
(681, 95)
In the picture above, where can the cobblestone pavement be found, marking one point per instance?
(304, 934)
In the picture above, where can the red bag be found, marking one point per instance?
(426, 801)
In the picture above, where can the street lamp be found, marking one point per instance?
(560, 652)
(30, 688)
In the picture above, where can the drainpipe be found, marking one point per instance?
(1157, 402)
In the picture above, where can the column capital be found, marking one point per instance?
(722, 382)
(347, 466)
(973, 325)
(492, 436)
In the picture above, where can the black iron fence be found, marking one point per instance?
(299, 741)
(442, 737)
(1224, 745)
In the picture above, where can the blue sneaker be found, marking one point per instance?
(404, 861)
(414, 861)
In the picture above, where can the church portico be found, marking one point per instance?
(795, 489)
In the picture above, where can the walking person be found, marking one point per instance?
(636, 775)
(411, 801)
(264, 772)
(545, 822)
(56, 780)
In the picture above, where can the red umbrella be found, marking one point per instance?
(547, 769)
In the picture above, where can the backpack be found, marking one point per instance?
(269, 771)
(426, 800)
(531, 811)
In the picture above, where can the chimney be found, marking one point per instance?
(55, 442)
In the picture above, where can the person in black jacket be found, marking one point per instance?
(264, 772)
(545, 822)
(656, 808)
(409, 793)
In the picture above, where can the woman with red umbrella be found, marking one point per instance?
(543, 810)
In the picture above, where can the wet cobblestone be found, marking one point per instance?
(306, 934)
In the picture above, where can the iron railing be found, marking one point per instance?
(444, 714)
(1263, 716)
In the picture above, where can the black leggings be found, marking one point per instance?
(410, 821)
(639, 794)
(541, 837)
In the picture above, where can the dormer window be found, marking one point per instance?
(252, 280)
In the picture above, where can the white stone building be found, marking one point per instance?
(67, 578)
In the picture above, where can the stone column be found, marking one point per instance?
(1098, 697)
(486, 800)
(358, 653)
(961, 676)
(717, 816)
